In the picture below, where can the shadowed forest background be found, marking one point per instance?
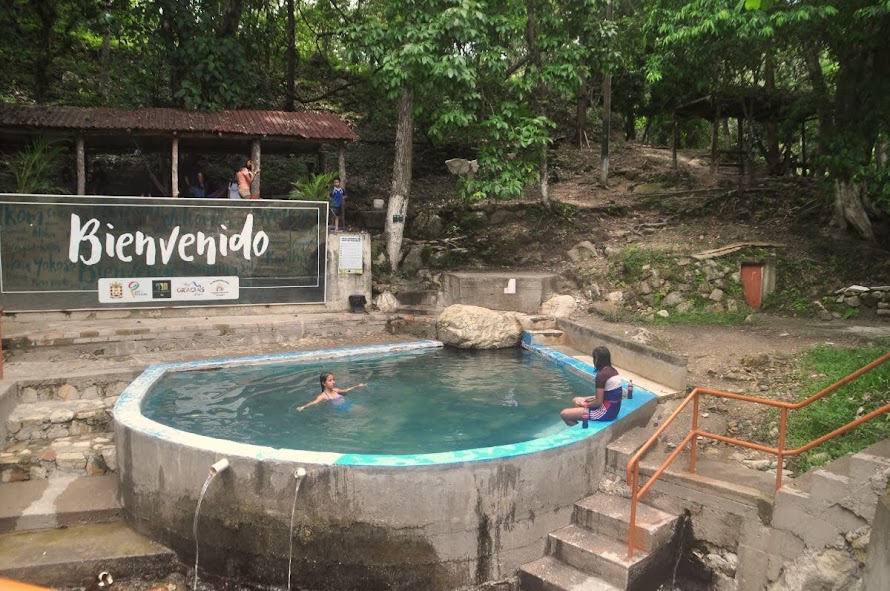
(505, 83)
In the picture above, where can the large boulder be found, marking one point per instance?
(559, 306)
(473, 327)
(387, 302)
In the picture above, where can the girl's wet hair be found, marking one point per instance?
(601, 357)
(324, 378)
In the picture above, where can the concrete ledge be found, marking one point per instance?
(653, 364)
(519, 291)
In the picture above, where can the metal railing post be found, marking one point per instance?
(780, 457)
(694, 446)
(632, 528)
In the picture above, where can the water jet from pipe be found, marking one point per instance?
(220, 466)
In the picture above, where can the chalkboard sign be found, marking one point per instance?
(74, 252)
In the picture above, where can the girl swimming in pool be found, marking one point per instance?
(329, 392)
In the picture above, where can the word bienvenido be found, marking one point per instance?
(188, 245)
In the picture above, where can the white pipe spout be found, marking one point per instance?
(218, 467)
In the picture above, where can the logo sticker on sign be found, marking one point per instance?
(116, 290)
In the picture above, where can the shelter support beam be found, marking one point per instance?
(256, 154)
(341, 163)
(341, 168)
(174, 167)
(81, 166)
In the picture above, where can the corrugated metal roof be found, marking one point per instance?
(312, 126)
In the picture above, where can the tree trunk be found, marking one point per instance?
(401, 177)
(105, 56)
(607, 115)
(47, 14)
(849, 208)
(545, 182)
(291, 57)
(228, 24)
(773, 157)
(535, 100)
(582, 106)
(811, 54)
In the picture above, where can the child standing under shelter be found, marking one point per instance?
(338, 200)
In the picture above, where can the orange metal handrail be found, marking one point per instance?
(633, 465)
(10, 585)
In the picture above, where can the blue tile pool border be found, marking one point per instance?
(128, 412)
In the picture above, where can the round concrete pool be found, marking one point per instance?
(412, 521)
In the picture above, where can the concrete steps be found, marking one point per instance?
(62, 531)
(550, 574)
(842, 497)
(591, 553)
(610, 515)
(73, 556)
(61, 501)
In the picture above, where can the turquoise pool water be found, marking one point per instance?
(433, 400)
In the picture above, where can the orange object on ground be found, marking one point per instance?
(10, 585)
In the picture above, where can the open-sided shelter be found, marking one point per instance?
(106, 129)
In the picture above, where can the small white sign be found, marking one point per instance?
(351, 254)
(119, 290)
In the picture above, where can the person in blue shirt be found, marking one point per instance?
(338, 201)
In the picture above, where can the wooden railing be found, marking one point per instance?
(633, 466)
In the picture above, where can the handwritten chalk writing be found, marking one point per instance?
(117, 246)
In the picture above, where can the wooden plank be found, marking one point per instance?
(731, 248)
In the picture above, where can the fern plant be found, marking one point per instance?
(34, 168)
(314, 187)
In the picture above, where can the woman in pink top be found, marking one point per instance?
(245, 178)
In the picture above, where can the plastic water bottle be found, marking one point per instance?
(630, 389)
(584, 419)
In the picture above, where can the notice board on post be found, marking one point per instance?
(76, 253)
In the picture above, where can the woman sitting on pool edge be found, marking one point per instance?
(329, 392)
(603, 406)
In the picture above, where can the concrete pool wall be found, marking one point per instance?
(426, 521)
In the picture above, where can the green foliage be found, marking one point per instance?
(314, 187)
(821, 367)
(35, 168)
(703, 317)
(628, 266)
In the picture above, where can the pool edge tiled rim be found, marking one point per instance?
(128, 413)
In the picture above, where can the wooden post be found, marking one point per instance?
(174, 167)
(341, 165)
(715, 158)
(803, 149)
(255, 155)
(81, 167)
(675, 139)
